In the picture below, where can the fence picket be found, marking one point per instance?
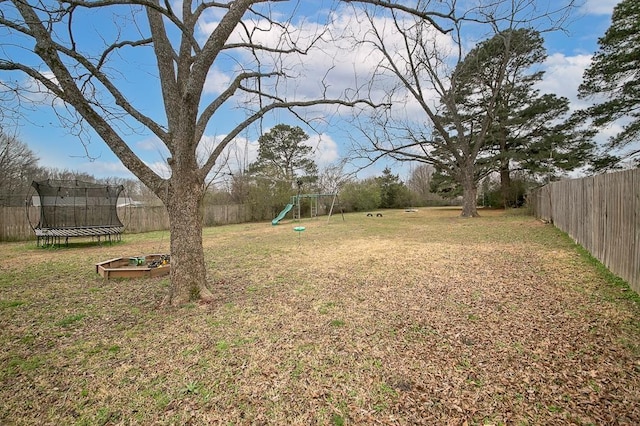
(600, 213)
(14, 225)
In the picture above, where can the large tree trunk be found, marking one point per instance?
(505, 172)
(188, 272)
(505, 183)
(469, 196)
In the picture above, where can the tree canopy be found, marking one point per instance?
(393, 192)
(457, 96)
(282, 155)
(613, 78)
(530, 132)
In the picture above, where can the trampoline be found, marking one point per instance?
(73, 208)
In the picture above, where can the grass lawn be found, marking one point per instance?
(410, 318)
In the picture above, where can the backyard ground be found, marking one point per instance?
(410, 318)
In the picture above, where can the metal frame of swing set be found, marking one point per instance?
(296, 203)
(296, 200)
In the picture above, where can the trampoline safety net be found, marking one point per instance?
(73, 208)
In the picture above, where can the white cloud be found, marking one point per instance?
(161, 168)
(335, 65)
(205, 148)
(105, 169)
(599, 7)
(563, 76)
(151, 144)
(241, 151)
(116, 168)
(610, 131)
(217, 82)
(236, 156)
(37, 93)
(325, 149)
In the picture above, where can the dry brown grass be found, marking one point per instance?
(412, 318)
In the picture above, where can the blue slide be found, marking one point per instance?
(282, 214)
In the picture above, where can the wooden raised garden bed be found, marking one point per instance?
(152, 265)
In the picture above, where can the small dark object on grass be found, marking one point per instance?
(379, 215)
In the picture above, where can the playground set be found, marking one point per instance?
(295, 205)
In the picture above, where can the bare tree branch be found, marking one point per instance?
(210, 110)
(277, 104)
(423, 14)
(151, 4)
(460, 116)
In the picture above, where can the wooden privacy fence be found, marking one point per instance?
(602, 214)
(14, 225)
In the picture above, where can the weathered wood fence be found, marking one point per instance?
(14, 225)
(602, 214)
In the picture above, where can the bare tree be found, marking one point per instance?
(419, 183)
(438, 117)
(18, 166)
(332, 177)
(174, 50)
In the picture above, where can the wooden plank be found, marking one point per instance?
(626, 237)
(618, 241)
(160, 270)
(634, 279)
(599, 215)
(587, 234)
(119, 267)
(100, 267)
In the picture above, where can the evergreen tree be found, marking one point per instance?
(393, 192)
(614, 75)
(360, 196)
(444, 185)
(282, 156)
(528, 132)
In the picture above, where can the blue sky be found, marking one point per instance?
(569, 54)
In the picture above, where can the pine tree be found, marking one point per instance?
(283, 156)
(527, 131)
(613, 78)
